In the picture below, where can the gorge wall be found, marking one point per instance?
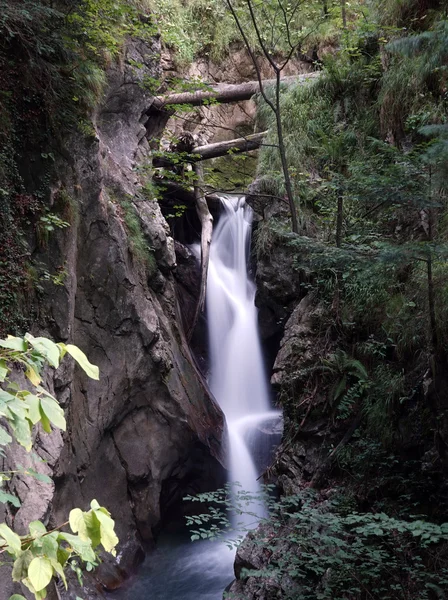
(148, 431)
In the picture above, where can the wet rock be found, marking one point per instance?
(130, 434)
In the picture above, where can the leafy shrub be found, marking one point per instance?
(44, 553)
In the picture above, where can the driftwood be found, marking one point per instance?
(206, 220)
(221, 93)
(245, 144)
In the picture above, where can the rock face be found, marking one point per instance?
(148, 431)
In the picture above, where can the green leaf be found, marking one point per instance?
(109, 538)
(14, 343)
(21, 564)
(63, 555)
(40, 573)
(5, 438)
(37, 529)
(59, 569)
(32, 375)
(39, 476)
(3, 370)
(46, 347)
(5, 497)
(50, 546)
(84, 549)
(54, 412)
(340, 387)
(62, 349)
(44, 420)
(93, 528)
(76, 520)
(82, 360)
(33, 408)
(12, 539)
(22, 431)
(17, 597)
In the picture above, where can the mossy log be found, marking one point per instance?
(221, 93)
(236, 146)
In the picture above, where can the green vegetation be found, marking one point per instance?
(201, 28)
(40, 555)
(53, 58)
(326, 550)
(367, 152)
(138, 244)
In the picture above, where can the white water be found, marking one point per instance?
(237, 377)
(179, 569)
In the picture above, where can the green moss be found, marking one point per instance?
(141, 250)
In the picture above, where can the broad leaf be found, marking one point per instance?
(33, 408)
(21, 564)
(40, 573)
(63, 555)
(37, 529)
(39, 476)
(32, 375)
(46, 347)
(44, 421)
(76, 520)
(50, 546)
(12, 539)
(59, 569)
(22, 431)
(14, 343)
(108, 537)
(3, 370)
(82, 360)
(54, 412)
(5, 438)
(5, 497)
(84, 549)
(17, 597)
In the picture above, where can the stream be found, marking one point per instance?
(180, 569)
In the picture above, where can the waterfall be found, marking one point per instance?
(237, 376)
(180, 570)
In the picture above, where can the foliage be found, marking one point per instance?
(52, 62)
(44, 553)
(313, 549)
(139, 246)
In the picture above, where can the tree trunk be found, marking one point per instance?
(284, 161)
(221, 93)
(206, 239)
(432, 305)
(339, 221)
(250, 142)
(343, 14)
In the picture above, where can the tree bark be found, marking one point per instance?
(222, 92)
(250, 142)
(339, 221)
(283, 158)
(206, 239)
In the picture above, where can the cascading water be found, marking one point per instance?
(179, 569)
(237, 376)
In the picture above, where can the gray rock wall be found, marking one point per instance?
(131, 436)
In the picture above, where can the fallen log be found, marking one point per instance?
(221, 93)
(173, 193)
(206, 220)
(237, 146)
